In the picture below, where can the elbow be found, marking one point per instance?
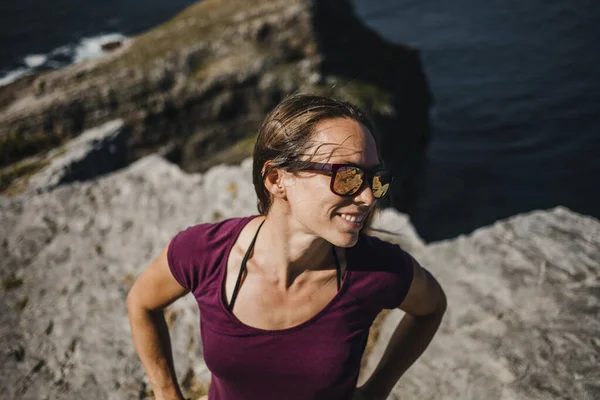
(442, 302)
(132, 301)
(136, 310)
(443, 307)
(437, 309)
(437, 304)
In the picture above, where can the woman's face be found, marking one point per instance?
(316, 209)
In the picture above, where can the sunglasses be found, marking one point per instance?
(348, 179)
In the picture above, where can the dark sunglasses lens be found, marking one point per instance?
(348, 180)
(381, 184)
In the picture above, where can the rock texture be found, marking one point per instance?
(95, 152)
(69, 257)
(202, 82)
(522, 320)
(523, 294)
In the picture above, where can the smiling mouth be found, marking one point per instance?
(353, 218)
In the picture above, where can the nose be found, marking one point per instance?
(365, 194)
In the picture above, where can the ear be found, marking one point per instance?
(273, 181)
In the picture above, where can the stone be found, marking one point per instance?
(112, 45)
(522, 319)
(95, 152)
(523, 308)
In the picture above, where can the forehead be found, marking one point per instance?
(342, 140)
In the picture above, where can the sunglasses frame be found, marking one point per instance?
(332, 169)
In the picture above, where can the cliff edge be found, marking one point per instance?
(521, 322)
(196, 88)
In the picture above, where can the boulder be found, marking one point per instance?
(522, 320)
(521, 323)
(70, 256)
(111, 45)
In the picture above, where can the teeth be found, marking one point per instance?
(352, 218)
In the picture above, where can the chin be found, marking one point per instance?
(346, 239)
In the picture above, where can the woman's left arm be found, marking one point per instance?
(425, 304)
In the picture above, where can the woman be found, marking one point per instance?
(287, 297)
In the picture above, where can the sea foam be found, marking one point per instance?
(35, 60)
(90, 48)
(86, 49)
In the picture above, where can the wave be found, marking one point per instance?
(90, 48)
(35, 60)
(13, 75)
(87, 48)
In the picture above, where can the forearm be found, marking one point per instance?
(153, 345)
(410, 339)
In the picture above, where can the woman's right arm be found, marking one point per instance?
(154, 290)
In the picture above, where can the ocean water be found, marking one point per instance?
(516, 122)
(51, 34)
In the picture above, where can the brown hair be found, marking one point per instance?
(286, 132)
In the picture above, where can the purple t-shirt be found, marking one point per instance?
(318, 359)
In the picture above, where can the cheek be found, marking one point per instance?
(310, 193)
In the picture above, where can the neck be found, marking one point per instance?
(289, 250)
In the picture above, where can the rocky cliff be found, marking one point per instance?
(197, 87)
(86, 215)
(523, 294)
(522, 320)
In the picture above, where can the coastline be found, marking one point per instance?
(88, 48)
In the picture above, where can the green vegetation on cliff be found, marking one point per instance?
(201, 83)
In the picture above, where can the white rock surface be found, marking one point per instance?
(77, 249)
(523, 294)
(523, 315)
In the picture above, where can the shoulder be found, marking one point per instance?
(380, 254)
(384, 267)
(194, 254)
(209, 234)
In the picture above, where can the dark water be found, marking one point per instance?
(516, 123)
(517, 117)
(40, 27)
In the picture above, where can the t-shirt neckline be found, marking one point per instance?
(232, 317)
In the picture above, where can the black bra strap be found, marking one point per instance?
(243, 267)
(338, 269)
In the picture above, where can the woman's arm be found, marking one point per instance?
(155, 289)
(424, 305)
